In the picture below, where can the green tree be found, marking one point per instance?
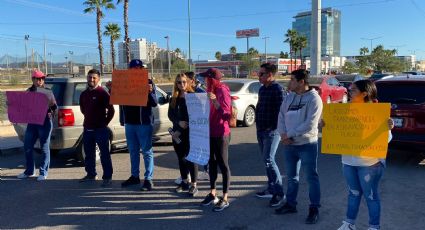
(253, 52)
(233, 51)
(177, 50)
(290, 38)
(284, 54)
(218, 55)
(179, 65)
(114, 32)
(299, 44)
(126, 38)
(350, 67)
(364, 51)
(97, 6)
(250, 63)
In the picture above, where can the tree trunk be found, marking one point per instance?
(113, 53)
(99, 39)
(126, 38)
(290, 52)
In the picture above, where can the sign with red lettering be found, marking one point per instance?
(248, 33)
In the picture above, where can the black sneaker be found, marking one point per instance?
(209, 199)
(276, 201)
(147, 185)
(183, 187)
(131, 181)
(193, 190)
(106, 183)
(285, 209)
(313, 216)
(88, 178)
(221, 205)
(264, 194)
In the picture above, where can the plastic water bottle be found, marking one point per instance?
(177, 140)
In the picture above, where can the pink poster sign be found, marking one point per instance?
(26, 107)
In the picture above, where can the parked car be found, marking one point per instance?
(68, 120)
(407, 98)
(377, 76)
(329, 89)
(347, 79)
(244, 93)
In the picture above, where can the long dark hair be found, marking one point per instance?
(369, 87)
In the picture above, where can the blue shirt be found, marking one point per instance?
(268, 106)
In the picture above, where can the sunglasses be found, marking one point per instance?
(181, 82)
(261, 74)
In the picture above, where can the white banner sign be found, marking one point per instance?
(198, 107)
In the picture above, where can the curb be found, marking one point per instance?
(11, 151)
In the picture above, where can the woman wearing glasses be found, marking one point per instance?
(178, 115)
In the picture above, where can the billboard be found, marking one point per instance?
(248, 33)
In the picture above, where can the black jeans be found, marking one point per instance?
(185, 166)
(219, 156)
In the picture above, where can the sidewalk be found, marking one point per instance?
(9, 141)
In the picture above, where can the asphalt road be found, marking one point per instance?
(63, 203)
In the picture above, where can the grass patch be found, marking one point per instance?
(3, 112)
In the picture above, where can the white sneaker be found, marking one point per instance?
(24, 176)
(179, 180)
(347, 226)
(203, 176)
(41, 178)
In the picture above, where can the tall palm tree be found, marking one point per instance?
(114, 32)
(177, 50)
(301, 43)
(218, 55)
(290, 38)
(97, 6)
(126, 38)
(232, 51)
(364, 51)
(252, 51)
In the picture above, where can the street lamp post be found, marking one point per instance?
(371, 40)
(168, 55)
(66, 63)
(51, 62)
(26, 37)
(265, 47)
(70, 61)
(190, 49)
(198, 57)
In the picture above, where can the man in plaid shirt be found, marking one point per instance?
(270, 98)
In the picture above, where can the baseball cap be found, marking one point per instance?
(37, 74)
(212, 73)
(135, 63)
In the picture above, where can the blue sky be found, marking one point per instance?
(399, 23)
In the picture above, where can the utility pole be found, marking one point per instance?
(26, 37)
(168, 56)
(70, 61)
(45, 58)
(315, 42)
(190, 49)
(265, 47)
(371, 40)
(51, 63)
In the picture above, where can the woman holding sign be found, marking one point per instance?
(363, 173)
(41, 132)
(178, 115)
(220, 114)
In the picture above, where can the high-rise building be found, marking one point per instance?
(140, 48)
(330, 30)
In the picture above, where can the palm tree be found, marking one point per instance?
(177, 50)
(364, 51)
(97, 6)
(218, 55)
(114, 32)
(232, 51)
(301, 43)
(290, 38)
(126, 38)
(252, 51)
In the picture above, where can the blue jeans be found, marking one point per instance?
(296, 156)
(363, 181)
(140, 137)
(100, 136)
(268, 142)
(32, 133)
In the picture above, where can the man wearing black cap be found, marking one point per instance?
(138, 122)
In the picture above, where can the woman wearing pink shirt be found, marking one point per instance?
(220, 113)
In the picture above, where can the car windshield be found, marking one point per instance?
(377, 76)
(401, 93)
(58, 88)
(234, 86)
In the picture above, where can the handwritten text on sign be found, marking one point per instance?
(26, 107)
(358, 129)
(130, 87)
(198, 108)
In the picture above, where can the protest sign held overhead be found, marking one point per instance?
(130, 87)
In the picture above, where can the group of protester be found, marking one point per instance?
(289, 117)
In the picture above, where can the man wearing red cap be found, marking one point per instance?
(41, 132)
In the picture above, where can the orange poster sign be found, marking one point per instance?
(130, 87)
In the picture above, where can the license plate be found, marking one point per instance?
(398, 122)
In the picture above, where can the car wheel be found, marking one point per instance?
(81, 154)
(249, 116)
(344, 98)
(328, 100)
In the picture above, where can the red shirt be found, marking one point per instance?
(94, 104)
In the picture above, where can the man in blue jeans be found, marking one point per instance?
(138, 122)
(94, 105)
(298, 127)
(266, 115)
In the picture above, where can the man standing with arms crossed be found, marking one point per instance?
(94, 105)
(298, 127)
(266, 115)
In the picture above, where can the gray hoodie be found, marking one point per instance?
(299, 117)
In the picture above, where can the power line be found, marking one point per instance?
(418, 8)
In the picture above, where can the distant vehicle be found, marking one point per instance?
(329, 89)
(347, 79)
(244, 93)
(377, 76)
(412, 73)
(407, 98)
(68, 121)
